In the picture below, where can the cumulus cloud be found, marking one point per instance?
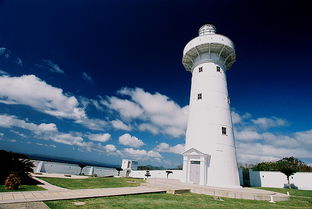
(31, 90)
(255, 143)
(269, 122)
(86, 77)
(51, 66)
(99, 137)
(164, 147)
(49, 131)
(118, 124)
(110, 148)
(141, 154)
(8, 121)
(237, 118)
(157, 113)
(126, 108)
(130, 141)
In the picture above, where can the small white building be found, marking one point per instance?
(129, 165)
(210, 155)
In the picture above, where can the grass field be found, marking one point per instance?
(185, 201)
(22, 188)
(92, 183)
(295, 192)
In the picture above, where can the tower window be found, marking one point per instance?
(223, 131)
(228, 99)
(200, 69)
(199, 96)
(218, 69)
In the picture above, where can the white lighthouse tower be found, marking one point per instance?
(209, 157)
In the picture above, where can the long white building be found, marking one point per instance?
(209, 157)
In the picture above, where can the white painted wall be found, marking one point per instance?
(66, 168)
(275, 179)
(176, 174)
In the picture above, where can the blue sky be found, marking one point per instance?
(103, 80)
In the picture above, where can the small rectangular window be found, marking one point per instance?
(223, 131)
(218, 69)
(195, 162)
(228, 100)
(199, 96)
(200, 69)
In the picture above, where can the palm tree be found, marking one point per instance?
(19, 164)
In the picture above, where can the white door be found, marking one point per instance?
(195, 172)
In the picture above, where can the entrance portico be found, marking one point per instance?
(195, 164)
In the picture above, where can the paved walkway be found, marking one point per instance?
(31, 196)
(153, 186)
(48, 186)
(237, 193)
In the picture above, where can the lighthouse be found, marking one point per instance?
(210, 155)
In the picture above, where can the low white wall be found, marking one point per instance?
(74, 169)
(302, 180)
(176, 174)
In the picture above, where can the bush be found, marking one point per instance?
(12, 182)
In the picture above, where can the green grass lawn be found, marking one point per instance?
(185, 201)
(22, 188)
(92, 183)
(296, 192)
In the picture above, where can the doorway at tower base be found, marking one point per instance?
(195, 164)
(197, 168)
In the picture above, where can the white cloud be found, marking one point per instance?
(255, 144)
(148, 127)
(50, 132)
(158, 114)
(131, 141)
(52, 67)
(93, 124)
(237, 118)
(99, 137)
(118, 124)
(247, 135)
(31, 90)
(86, 77)
(141, 154)
(2, 72)
(269, 122)
(8, 121)
(110, 148)
(164, 147)
(126, 108)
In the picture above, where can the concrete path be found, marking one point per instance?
(32, 196)
(237, 193)
(153, 186)
(48, 186)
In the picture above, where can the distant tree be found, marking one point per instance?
(16, 163)
(265, 166)
(119, 169)
(168, 172)
(81, 165)
(289, 166)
